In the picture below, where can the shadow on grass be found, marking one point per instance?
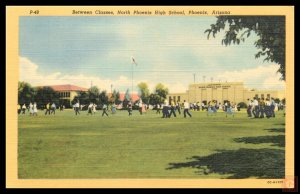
(282, 130)
(277, 140)
(239, 164)
(243, 163)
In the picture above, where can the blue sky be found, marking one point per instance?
(170, 50)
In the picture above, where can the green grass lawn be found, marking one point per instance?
(147, 146)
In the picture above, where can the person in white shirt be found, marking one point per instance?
(76, 108)
(94, 108)
(31, 108)
(34, 109)
(53, 108)
(81, 106)
(90, 107)
(23, 108)
(165, 109)
(268, 108)
(276, 107)
(186, 109)
(158, 108)
(141, 107)
(105, 109)
(255, 110)
(272, 106)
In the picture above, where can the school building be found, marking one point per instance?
(67, 93)
(234, 92)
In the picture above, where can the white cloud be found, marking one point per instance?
(177, 87)
(261, 77)
(29, 72)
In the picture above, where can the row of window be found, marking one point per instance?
(262, 96)
(64, 94)
(256, 95)
(174, 98)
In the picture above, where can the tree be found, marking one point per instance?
(127, 98)
(144, 91)
(46, 95)
(93, 94)
(154, 99)
(283, 101)
(270, 30)
(242, 105)
(115, 97)
(103, 98)
(162, 91)
(25, 93)
(82, 97)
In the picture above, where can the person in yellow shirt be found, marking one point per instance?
(47, 108)
(19, 108)
(173, 107)
(262, 107)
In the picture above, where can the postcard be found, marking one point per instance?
(150, 97)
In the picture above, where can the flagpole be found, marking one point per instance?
(132, 82)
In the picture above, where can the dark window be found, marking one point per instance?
(268, 96)
(256, 95)
(178, 98)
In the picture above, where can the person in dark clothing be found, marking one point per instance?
(104, 110)
(186, 109)
(172, 109)
(165, 110)
(178, 107)
(129, 109)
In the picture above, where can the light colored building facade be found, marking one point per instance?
(67, 92)
(223, 91)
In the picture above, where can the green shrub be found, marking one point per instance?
(242, 105)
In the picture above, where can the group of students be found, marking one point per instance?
(50, 109)
(213, 106)
(91, 109)
(32, 108)
(170, 109)
(260, 107)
